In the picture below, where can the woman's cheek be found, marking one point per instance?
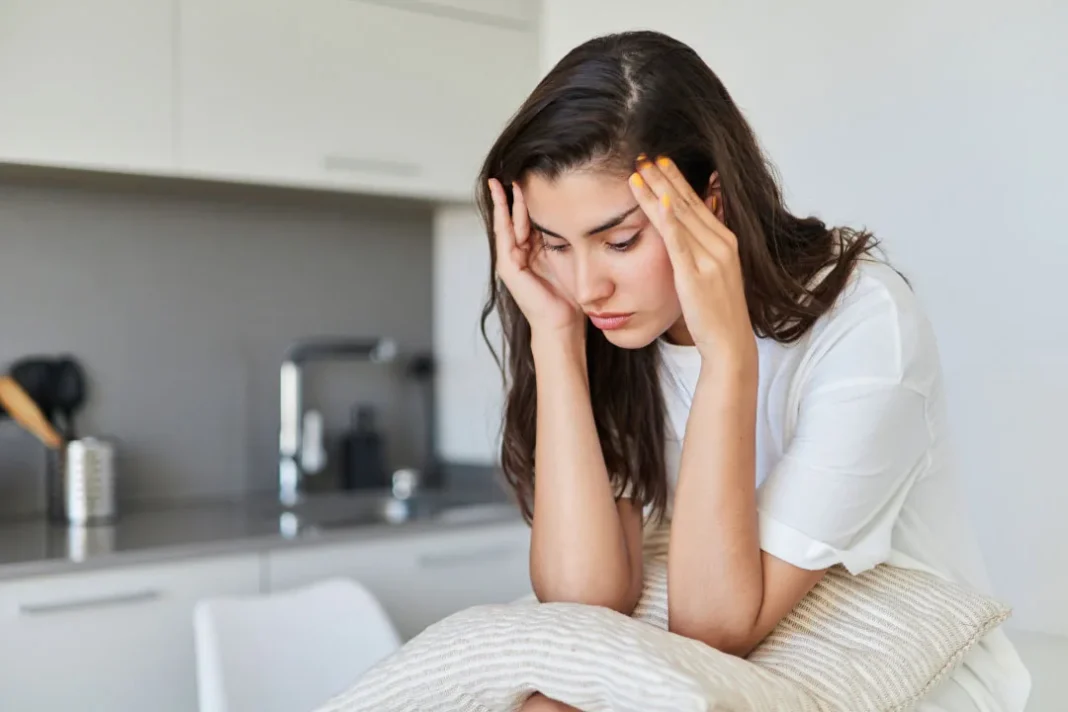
(562, 274)
(653, 268)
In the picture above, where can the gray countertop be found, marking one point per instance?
(168, 530)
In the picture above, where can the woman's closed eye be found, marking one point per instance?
(548, 244)
(626, 244)
(559, 246)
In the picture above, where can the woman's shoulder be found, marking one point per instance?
(874, 278)
(877, 329)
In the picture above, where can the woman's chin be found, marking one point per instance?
(629, 337)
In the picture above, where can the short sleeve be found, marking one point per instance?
(836, 493)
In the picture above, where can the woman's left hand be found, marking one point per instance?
(704, 257)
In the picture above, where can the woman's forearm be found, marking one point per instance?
(715, 577)
(578, 547)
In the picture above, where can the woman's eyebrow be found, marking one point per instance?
(607, 225)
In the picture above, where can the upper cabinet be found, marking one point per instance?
(397, 97)
(88, 84)
(521, 14)
(378, 96)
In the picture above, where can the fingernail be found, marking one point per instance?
(665, 200)
(641, 157)
(663, 162)
(715, 203)
(636, 180)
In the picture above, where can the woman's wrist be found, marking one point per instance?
(741, 366)
(556, 341)
(730, 377)
(558, 350)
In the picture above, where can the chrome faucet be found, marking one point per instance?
(300, 449)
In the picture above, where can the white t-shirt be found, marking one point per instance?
(853, 463)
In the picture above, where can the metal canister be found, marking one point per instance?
(81, 482)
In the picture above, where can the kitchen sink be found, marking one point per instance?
(342, 510)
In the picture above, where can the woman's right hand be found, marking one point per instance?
(546, 308)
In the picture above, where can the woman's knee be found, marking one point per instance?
(540, 703)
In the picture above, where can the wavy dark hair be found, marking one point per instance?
(607, 101)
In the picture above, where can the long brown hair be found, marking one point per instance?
(609, 100)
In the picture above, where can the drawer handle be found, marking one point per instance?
(430, 561)
(118, 599)
(355, 164)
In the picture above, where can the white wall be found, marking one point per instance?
(469, 384)
(942, 126)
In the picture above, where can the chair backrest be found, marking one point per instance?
(290, 650)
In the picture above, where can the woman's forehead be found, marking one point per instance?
(577, 202)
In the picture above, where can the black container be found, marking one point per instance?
(363, 462)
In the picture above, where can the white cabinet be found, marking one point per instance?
(419, 578)
(110, 641)
(87, 84)
(121, 640)
(522, 14)
(386, 96)
(397, 97)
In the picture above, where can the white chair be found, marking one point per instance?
(288, 651)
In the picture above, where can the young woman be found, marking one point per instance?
(680, 345)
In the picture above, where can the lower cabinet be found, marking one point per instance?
(115, 640)
(420, 577)
(121, 639)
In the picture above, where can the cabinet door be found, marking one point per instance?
(110, 641)
(522, 14)
(87, 84)
(459, 89)
(419, 578)
(345, 94)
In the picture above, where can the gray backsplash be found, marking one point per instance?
(180, 298)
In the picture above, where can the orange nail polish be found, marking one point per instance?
(636, 180)
(715, 204)
(663, 162)
(641, 157)
(665, 200)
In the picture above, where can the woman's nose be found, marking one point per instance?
(593, 284)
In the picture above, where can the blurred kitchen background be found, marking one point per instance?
(191, 188)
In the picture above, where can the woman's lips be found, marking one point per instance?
(608, 322)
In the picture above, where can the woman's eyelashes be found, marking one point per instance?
(614, 246)
(553, 246)
(626, 244)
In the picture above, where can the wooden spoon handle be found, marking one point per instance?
(25, 412)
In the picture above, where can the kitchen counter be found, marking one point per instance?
(168, 530)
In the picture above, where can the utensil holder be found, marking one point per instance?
(81, 483)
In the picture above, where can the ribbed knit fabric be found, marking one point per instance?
(877, 641)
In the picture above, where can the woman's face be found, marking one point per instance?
(603, 253)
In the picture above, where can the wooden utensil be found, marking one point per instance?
(25, 412)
